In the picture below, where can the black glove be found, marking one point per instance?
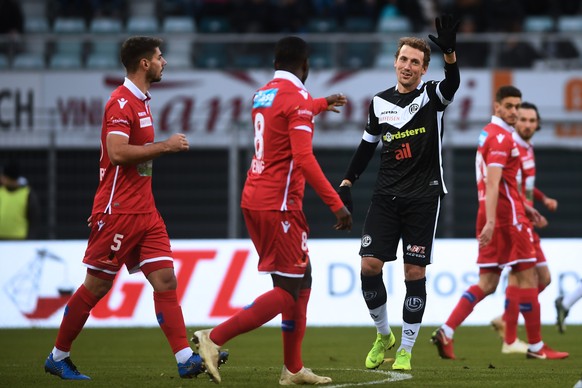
(345, 194)
(447, 33)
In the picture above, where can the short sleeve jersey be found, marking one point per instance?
(274, 180)
(527, 174)
(410, 126)
(497, 148)
(125, 189)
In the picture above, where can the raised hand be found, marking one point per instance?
(446, 28)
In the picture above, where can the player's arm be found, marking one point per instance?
(446, 40)
(304, 159)
(494, 173)
(122, 153)
(550, 203)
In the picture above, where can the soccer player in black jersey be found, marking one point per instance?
(408, 119)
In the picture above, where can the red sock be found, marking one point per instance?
(170, 319)
(293, 325)
(261, 311)
(465, 306)
(530, 308)
(76, 313)
(511, 313)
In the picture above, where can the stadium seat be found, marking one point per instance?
(359, 24)
(36, 25)
(175, 24)
(321, 56)
(65, 61)
(358, 55)
(211, 56)
(4, 64)
(142, 25)
(27, 61)
(105, 25)
(570, 23)
(322, 25)
(394, 24)
(248, 61)
(66, 25)
(109, 46)
(212, 24)
(102, 61)
(538, 24)
(178, 61)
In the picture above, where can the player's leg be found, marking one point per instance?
(380, 237)
(512, 344)
(74, 318)
(563, 305)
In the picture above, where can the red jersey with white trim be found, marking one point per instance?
(125, 189)
(527, 174)
(497, 148)
(283, 116)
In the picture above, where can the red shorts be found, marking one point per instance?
(509, 246)
(131, 239)
(280, 239)
(540, 257)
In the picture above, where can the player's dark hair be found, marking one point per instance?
(529, 105)
(507, 91)
(290, 53)
(416, 43)
(136, 48)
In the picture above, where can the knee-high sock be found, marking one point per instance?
(412, 312)
(529, 306)
(293, 328)
(261, 311)
(374, 292)
(572, 297)
(76, 314)
(170, 319)
(511, 313)
(465, 306)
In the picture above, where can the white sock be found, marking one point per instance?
(449, 332)
(409, 334)
(183, 355)
(572, 297)
(536, 347)
(59, 355)
(380, 317)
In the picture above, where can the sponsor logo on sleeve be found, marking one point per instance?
(264, 98)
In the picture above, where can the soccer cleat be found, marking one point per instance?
(444, 344)
(561, 313)
(402, 360)
(546, 353)
(210, 353)
(498, 325)
(191, 368)
(65, 369)
(518, 346)
(383, 343)
(304, 376)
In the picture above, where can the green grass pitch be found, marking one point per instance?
(140, 357)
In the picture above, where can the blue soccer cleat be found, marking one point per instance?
(194, 366)
(65, 369)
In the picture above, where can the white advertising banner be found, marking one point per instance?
(218, 277)
(207, 105)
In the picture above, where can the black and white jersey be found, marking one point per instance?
(410, 127)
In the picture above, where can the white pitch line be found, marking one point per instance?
(393, 376)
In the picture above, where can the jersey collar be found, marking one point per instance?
(289, 77)
(135, 90)
(498, 121)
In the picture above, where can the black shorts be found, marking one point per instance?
(390, 218)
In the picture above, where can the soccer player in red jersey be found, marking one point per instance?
(126, 228)
(527, 124)
(283, 113)
(504, 231)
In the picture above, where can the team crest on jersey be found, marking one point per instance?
(264, 98)
(122, 101)
(413, 108)
(366, 240)
(500, 138)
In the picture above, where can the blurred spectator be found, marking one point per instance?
(19, 209)
(475, 53)
(253, 16)
(73, 8)
(517, 52)
(504, 15)
(291, 16)
(11, 27)
(471, 9)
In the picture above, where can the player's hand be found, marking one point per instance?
(338, 99)
(178, 142)
(542, 223)
(551, 204)
(345, 194)
(89, 221)
(486, 234)
(446, 28)
(533, 215)
(344, 219)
